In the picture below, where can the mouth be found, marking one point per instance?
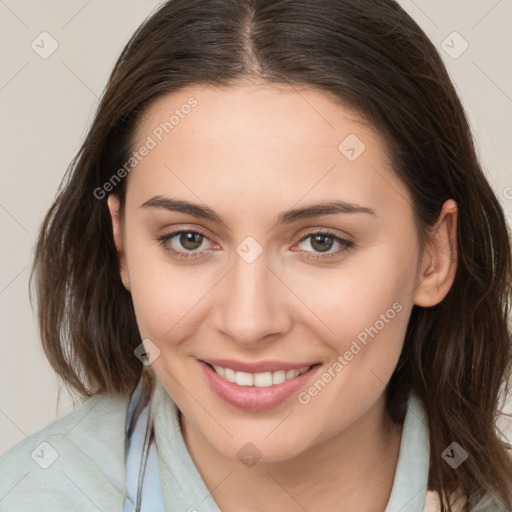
(255, 391)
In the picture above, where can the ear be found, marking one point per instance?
(439, 259)
(113, 206)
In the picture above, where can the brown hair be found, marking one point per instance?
(368, 54)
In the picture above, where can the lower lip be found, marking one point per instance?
(252, 398)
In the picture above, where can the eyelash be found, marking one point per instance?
(191, 255)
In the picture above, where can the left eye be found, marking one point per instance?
(323, 241)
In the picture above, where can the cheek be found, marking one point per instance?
(373, 318)
(370, 288)
(367, 313)
(167, 297)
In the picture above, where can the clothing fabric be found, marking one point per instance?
(77, 463)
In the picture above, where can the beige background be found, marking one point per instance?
(47, 104)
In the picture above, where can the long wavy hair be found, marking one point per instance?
(370, 55)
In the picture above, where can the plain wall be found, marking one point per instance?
(47, 105)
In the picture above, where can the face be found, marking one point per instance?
(303, 306)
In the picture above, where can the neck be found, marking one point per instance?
(353, 470)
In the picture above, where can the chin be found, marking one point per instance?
(263, 450)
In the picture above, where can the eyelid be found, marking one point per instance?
(326, 231)
(168, 233)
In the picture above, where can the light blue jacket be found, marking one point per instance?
(77, 463)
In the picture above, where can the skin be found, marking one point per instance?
(249, 152)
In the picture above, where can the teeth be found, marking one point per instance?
(263, 380)
(259, 380)
(244, 379)
(290, 374)
(229, 374)
(221, 371)
(278, 377)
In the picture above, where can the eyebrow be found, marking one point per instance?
(286, 217)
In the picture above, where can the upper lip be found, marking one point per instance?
(257, 367)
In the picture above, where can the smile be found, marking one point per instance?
(259, 390)
(259, 380)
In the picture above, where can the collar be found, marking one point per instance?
(410, 485)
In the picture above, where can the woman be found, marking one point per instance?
(278, 274)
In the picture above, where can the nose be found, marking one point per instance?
(255, 304)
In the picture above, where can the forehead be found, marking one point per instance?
(271, 115)
(281, 142)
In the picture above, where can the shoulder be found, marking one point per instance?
(74, 463)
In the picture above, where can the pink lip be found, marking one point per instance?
(252, 398)
(260, 367)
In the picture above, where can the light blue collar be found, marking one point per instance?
(411, 477)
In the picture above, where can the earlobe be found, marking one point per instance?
(113, 206)
(439, 262)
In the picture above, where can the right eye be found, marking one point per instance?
(189, 239)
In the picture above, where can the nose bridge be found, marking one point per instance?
(254, 306)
